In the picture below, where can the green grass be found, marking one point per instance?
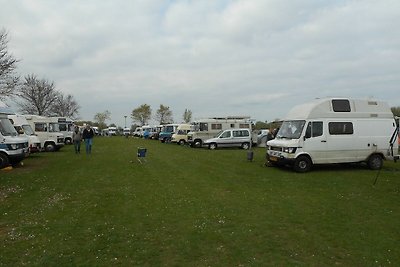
(194, 207)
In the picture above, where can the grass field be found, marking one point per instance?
(194, 207)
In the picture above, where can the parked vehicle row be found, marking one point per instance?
(324, 131)
(209, 132)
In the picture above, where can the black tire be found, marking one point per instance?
(375, 162)
(50, 147)
(181, 142)
(245, 146)
(197, 143)
(68, 141)
(4, 162)
(212, 146)
(302, 164)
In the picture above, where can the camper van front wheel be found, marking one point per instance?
(50, 147)
(3, 161)
(375, 162)
(302, 164)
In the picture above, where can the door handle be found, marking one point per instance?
(323, 141)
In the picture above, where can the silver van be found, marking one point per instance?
(230, 138)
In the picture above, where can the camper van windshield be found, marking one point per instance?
(28, 129)
(291, 129)
(6, 128)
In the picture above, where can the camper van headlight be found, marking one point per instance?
(289, 150)
(13, 146)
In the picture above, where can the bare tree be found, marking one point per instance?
(187, 115)
(37, 96)
(65, 106)
(164, 115)
(142, 114)
(8, 81)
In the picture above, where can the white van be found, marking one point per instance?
(138, 132)
(127, 131)
(66, 127)
(180, 137)
(51, 139)
(230, 138)
(13, 148)
(112, 130)
(335, 130)
(23, 128)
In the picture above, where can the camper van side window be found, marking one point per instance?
(340, 128)
(40, 127)
(341, 105)
(216, 126)
(203, 126)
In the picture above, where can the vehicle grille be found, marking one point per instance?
(275, 148)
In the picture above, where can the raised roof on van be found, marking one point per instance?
(340, 108)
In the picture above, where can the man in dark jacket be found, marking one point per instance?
(87, 135)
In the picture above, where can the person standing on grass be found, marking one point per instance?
(77, 138)
(88, 137)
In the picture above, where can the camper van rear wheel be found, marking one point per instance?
(50, 147)
(212, 146)
(245, 146)
(181, 142)
(375, 162)
(302, 164)
(68, 141)
(3, 161)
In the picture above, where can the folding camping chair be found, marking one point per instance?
(141, 154)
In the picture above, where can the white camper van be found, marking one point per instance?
(51, 139)
(335, 130)
(66, 127)
(13, 148)
(204, 129)
(23, 128)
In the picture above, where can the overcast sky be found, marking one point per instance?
(214, 57)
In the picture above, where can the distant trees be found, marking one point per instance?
(142, 114)
(163, 115)
(187, 116)
(396, 111)
(8, 79)
(101, 118)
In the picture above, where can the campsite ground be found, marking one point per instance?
(194, 207)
